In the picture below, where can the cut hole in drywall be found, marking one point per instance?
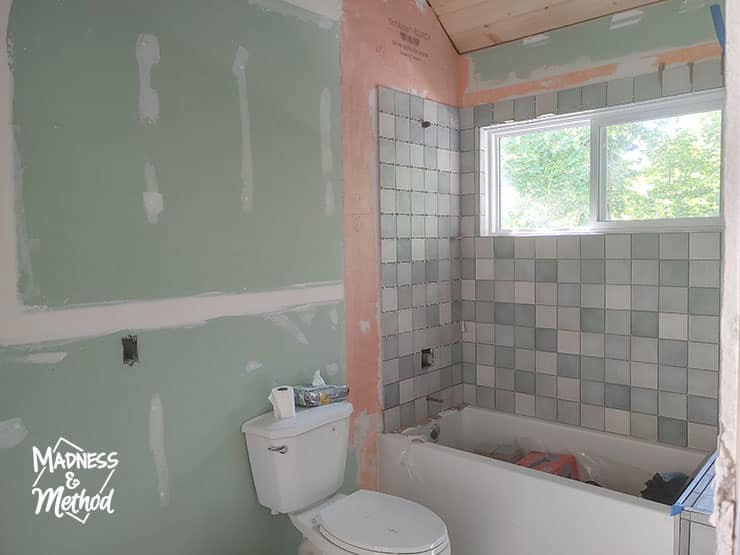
(130, 345)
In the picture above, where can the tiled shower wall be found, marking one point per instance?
(615, 332)
(420, 252)
(612, 332)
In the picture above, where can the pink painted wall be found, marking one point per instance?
(372, 55)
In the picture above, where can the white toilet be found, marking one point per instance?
(298, 467)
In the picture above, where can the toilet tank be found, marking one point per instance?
(298, 461)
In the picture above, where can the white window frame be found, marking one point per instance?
(598, 120)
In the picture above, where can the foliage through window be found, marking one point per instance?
(647, 164)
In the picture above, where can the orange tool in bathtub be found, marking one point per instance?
(560, 465)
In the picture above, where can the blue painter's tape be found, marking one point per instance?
(676, 508)
(719, 24)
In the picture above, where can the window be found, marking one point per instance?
(650, 164)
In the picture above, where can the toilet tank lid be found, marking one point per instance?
(307, 419)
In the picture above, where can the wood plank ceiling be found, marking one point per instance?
(475, 24)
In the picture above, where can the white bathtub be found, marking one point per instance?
(496, 508)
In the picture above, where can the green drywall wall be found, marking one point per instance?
(93, 400)
(664, 26)
(82, 149)
(81, 152)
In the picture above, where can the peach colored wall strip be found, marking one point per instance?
(398, 44)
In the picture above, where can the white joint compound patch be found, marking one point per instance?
(332, 369)
(625, 19)
(156, 445)
(43, 358)
(147, 55)
(282, 321)
(364, 326)
(334, 317)
(324, 13)
(307, 316)
(12, 433)
(239, 70)
(327, 158)
(535, 40)
(251, 366)
(153, 201)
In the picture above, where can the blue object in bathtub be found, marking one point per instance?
(695, 494)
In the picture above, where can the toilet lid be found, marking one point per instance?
(382, 523)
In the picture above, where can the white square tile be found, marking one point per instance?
(484, 269)
(485, 375)
(704, 246)
(387, 125)
(704, 273)
(468, 289)
(546, 247)
(644, 349)
(389, 296)
(569, 389)
(404, 320)
(702, 437)
(704, 356)
(618, 297)
(406, 390)
(673, 326)
(643, 374)
(569, 342)
(618, 246)
(617, 421)
(592, 344)
(546, 294)
(524, 292)
(644, 426)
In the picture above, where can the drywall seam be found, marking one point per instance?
(19, 327)
(324, 13)
(147, 55)
(43, 358)
(156, 446)
(239, 70)
(327, 158)
(153, 201)
(12, 433)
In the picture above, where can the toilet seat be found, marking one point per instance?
(367, 523)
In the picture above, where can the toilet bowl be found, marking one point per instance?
(298, 466)
(371, 523)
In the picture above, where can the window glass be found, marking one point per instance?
(664, 168)
(544, 179)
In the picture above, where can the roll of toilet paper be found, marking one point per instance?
(283, 403)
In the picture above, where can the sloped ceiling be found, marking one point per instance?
(475, 24)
